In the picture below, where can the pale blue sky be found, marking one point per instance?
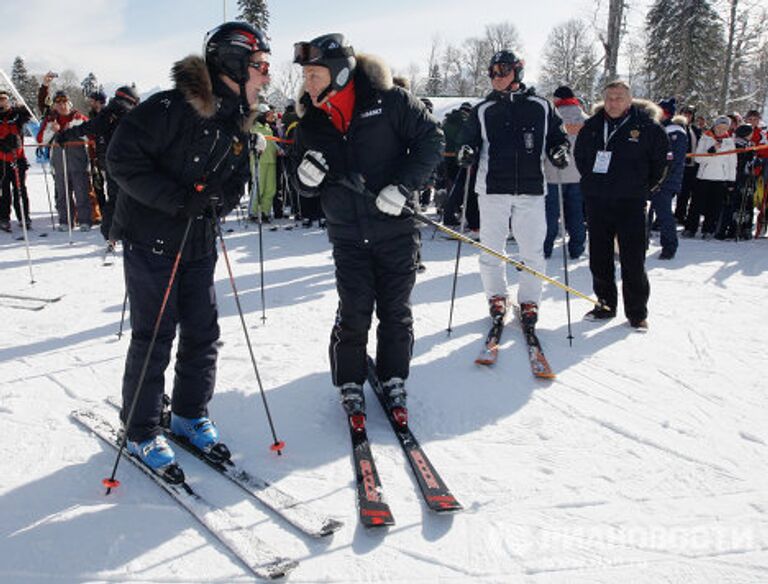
(138, 40)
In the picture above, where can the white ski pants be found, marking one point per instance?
(529, 227)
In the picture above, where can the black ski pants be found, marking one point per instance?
(12, 191)
(192, 308)
(625, 219)
(380, 274)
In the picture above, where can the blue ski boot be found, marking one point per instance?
(158, 455)
(202, 434)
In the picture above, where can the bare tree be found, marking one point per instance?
(285, 82)
(569, 59)
(433, 84)
(477, 54)
(502, 36)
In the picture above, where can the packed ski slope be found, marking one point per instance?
(646, 460)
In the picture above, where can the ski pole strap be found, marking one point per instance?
(355, 183)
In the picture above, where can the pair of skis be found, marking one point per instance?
(373, 510)
(24, 302)
(254, 553)
(538, 361)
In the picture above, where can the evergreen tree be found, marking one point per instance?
(684, 51)
(255, 12)
(26, 85)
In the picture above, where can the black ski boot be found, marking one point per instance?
(395, 394)
(353, 401)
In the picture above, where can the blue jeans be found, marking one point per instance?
(661, 212)
(573, 206)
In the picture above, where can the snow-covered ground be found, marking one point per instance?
(646, 460)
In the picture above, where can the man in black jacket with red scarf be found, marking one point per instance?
(357, 126)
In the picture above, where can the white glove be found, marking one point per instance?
(261, 143)
(391, 200)
(312, 169)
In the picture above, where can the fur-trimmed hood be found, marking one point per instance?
(190, 76)
(374, 68)
(648, 107)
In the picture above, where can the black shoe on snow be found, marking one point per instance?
(5, 226)
(600, 313)
(666, 254)
(639, 324)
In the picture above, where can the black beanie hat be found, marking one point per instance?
(563, 92)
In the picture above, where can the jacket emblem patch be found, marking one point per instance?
(371, 113)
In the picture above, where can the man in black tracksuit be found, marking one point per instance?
(178, 159)
(355, 123)
(102, 127)
(621, 153)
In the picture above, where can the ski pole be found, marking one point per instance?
(458, 249)
(48, 192)
(110, 482)
(23, 215)
(122, 316)
(277, 445)
(565, 255)
(261, 238)
(359, 187)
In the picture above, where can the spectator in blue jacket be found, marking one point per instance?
(661, 200)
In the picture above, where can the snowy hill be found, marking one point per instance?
(646, 460)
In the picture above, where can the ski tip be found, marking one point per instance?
(110, 484)
(545, 375)
(278, 447)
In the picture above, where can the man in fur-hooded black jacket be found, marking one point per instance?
(621, 154)
(356, 123)
(179, 159)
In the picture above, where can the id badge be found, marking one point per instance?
(602, 162)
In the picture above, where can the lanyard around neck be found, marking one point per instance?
(607, 137)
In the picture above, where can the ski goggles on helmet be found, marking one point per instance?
(262, 66)
(501, 69)
(306, 53)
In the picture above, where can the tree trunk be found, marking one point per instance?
(723, 101)
(613, 38)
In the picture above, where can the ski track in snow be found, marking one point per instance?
(644, 461)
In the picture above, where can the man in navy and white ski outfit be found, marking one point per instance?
(508, 134)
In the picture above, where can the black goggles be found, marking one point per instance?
(500, 70)
(307, 53)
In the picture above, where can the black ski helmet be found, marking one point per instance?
(128, 94)
(228, 48)
(507, 57)
(330, 51)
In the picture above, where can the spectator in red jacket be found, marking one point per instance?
(13, 163)
(70, 162)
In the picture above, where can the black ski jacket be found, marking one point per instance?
(102, 127)
(511, 133)
(167, 144)
(639, 149)
(392, 139)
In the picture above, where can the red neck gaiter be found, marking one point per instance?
(339, 107)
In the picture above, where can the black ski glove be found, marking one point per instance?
(200, 199)
(559, 156)
(466, 156)
(712, 150)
